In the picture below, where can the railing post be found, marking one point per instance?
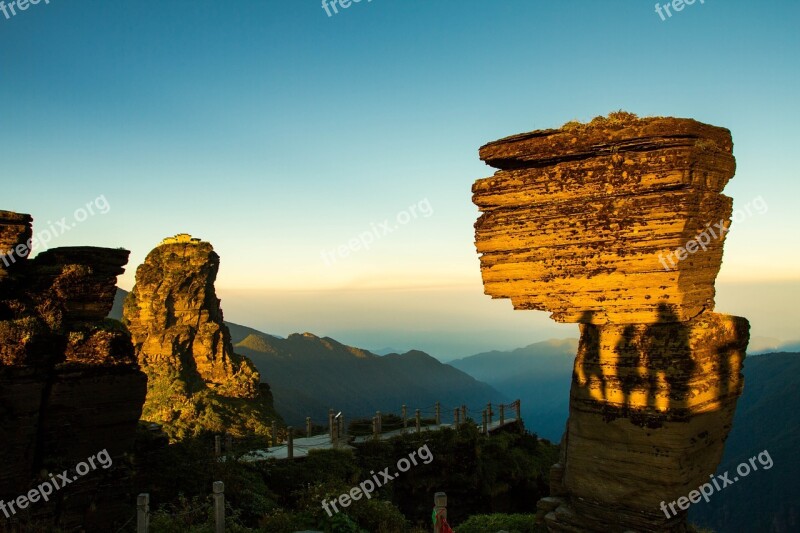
(438, 414)
(439, 510)
(217, 445)
(143, 513)
(274, 433)
(464, 412)
(455, 418)
(502, 414)
(331, 433)
(485, 427)
(489, 413)
(219, 507)
(228, 443)
(342, 427)
(308, 426)
(419, 421)
(405, 417)
(290, 442)
(335, 430)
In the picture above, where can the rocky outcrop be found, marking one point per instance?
(196, 382)
(15, 234)
(595, 223)
(70, 386)
(584, 221)
(650, 408)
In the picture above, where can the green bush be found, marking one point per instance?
(505, 473)
(513, 523)
(283, 521)
(194, 515)
(378, 516)
(342, 523)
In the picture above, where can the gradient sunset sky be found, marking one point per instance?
(278, 133)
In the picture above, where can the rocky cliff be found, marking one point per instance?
(619, 225)
(584, 221)
(70, 386)
(196, 381)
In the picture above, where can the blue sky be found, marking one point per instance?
(276, 132)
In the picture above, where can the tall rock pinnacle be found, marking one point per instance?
(619, 225)
(196, 381)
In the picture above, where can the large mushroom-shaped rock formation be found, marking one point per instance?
(618, 225)
(70, 386)
(196, 381)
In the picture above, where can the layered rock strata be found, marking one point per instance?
(70, 386)
(650, 408)
(580, 221)
(197, 383)
(15, 234)
(584, 221)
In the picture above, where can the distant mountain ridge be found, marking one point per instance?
(310, 374)
(549, 358)
(538, 374)
(767, 418)
(386, 351)
(765, 345)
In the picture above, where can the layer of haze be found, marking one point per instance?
(460, 321)
(278, 133)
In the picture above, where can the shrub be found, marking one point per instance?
(194, 515)
(513, 523)
(283, 521)
(378, 516)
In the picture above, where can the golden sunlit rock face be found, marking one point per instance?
(584, 221)
(196, 381)
(650, 408)
(595, 224)
(662, 371)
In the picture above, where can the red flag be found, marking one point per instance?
(446, 527)
(440, 521)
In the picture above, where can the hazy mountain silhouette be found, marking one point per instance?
(767, 418)
(764, 345)
(386, 351)
(539, 375)
(309, 375)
